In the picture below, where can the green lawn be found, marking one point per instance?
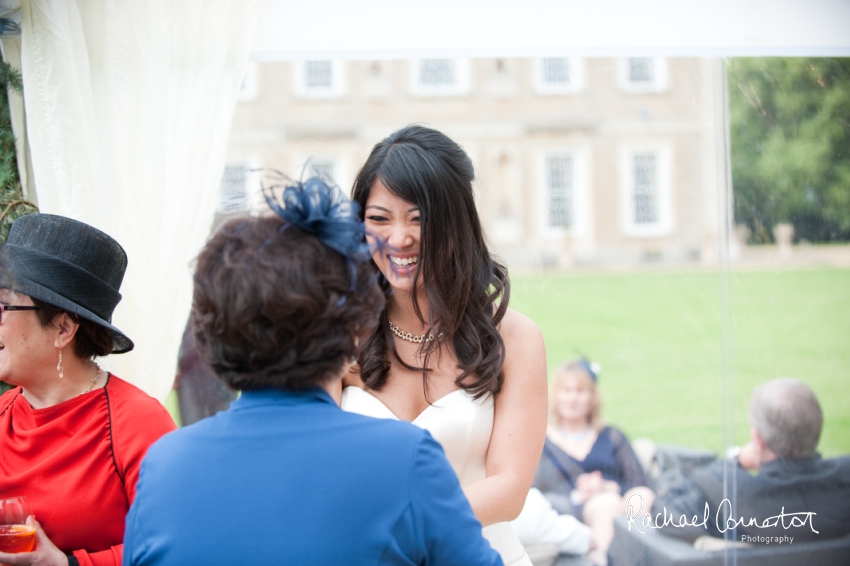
(658, 337)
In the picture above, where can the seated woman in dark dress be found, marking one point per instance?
(587, 469)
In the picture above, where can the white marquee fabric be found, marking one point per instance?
(381, 29)
(128, 109)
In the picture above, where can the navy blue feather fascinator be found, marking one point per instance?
(321, 209)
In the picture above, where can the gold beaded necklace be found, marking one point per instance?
(93, 381)
(416, 339)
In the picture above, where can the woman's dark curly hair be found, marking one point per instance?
(468, 290)
(275, 307)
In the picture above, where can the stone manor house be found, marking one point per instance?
(579, 161)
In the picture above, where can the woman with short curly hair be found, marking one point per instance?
(281, 305)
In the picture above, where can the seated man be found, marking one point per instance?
(794, 493)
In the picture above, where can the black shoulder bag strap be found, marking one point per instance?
(560, 466)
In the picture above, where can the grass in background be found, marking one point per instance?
(172, 405)
(657, 336)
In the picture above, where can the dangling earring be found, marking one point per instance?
(59, 367)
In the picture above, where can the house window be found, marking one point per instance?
(647, 194)
(645, 188)
(233, 191)
(324, 169)
(560, 180)
(437, 73)
(558, 75)
(643, 74)
(440, 77)
(318, 74)
(319, 79)
(563, 192)
(556, 70)
(641, 70)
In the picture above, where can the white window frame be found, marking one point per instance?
(459, 88)
(577, 77)
(249, 88)
(664, 225)
(335, 90)
(659, 84)
(579, 221)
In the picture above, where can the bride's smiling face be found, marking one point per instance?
(397, 222)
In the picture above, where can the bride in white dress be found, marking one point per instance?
(448, 355)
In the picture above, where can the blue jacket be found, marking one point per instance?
(288, 478)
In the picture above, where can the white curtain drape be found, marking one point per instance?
(128, 109)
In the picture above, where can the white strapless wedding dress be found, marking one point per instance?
(463, 426)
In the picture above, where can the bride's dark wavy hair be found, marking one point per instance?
(467, 289)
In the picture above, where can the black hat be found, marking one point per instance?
(67, 264)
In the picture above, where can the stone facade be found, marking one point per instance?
(594, 161)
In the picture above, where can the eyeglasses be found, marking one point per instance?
(15, 308)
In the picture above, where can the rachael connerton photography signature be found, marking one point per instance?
(795, 520)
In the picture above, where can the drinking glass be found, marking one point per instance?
(15, 534)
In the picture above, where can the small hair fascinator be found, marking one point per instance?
(321, 209)
(592, 368)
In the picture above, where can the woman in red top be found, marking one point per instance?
(72, 436)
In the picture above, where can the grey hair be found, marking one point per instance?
(787, 415)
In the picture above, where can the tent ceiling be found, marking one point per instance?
(371, 29)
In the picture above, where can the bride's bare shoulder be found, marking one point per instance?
(517, 326)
